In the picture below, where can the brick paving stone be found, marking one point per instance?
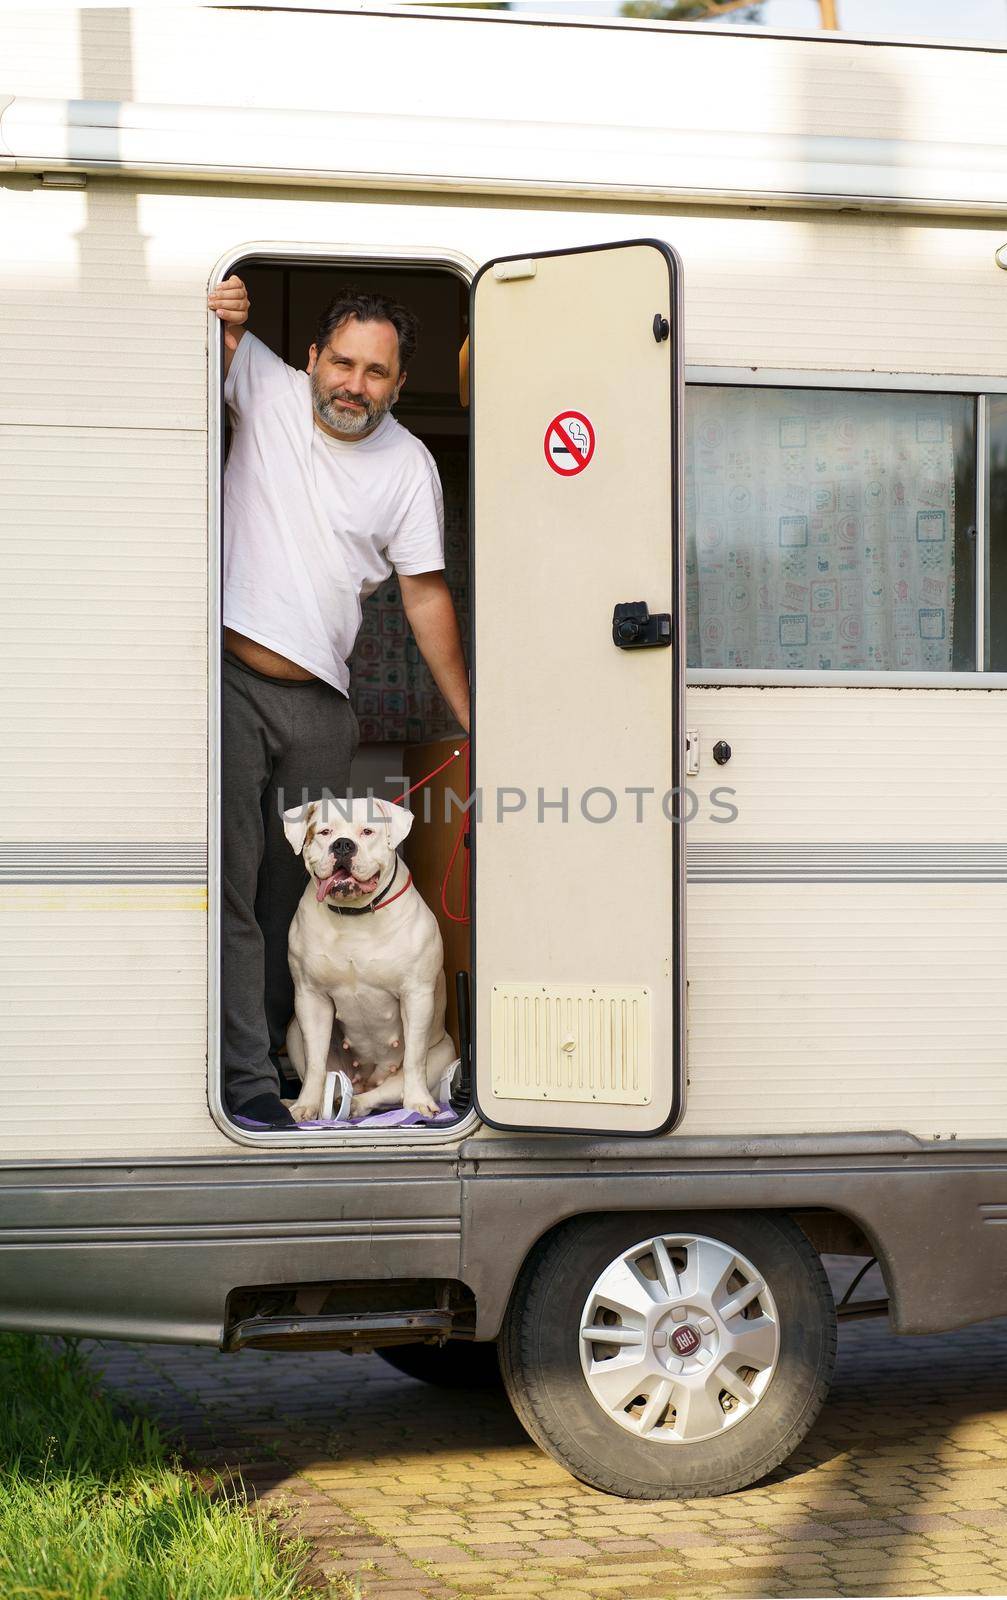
(812, 1530)
(901, 1488)
(626, 1544)
(671, 1539)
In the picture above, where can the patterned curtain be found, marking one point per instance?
(393, 694)
(820, 529)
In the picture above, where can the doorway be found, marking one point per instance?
(407, 730)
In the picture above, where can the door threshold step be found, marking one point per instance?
(361, 1331)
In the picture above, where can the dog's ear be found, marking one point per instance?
(398, 818)
(295, 824)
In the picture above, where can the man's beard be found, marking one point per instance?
(351, 423)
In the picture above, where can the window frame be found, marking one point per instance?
(979, 388)
(434, 1141)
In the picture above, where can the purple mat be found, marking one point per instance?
(397, 1118)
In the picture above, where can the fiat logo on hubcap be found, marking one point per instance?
(685, 1341)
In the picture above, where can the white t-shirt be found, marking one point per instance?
(312, 524)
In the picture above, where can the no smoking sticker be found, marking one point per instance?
(569, 443)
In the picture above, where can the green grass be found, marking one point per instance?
(93, 1507)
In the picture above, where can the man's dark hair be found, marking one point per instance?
(351, 302)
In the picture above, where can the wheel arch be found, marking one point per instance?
(829, 1230)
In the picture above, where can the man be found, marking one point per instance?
(325, 493)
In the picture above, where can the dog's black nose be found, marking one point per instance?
(342, 848)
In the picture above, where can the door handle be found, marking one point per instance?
(633, 627)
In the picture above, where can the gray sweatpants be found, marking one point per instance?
(283, 743)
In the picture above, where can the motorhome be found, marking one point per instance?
(713, 368)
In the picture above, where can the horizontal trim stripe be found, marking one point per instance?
(347, 1229)
(846, 863)
(68, 865)
(58, 878)
(225, 1241)
(103, 861)
(104, 852)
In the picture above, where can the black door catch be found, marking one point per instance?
(633, 627)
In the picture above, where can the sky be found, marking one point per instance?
(976, 20)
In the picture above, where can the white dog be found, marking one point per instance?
(364, 947)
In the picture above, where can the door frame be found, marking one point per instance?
(322, 1141)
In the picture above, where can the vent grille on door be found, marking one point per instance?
(578, 1042)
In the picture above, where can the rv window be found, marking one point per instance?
(996, 579)
(830, 529)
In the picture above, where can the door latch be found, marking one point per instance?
(633, 627)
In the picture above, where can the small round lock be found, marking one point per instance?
(628, 630)
(721, 752)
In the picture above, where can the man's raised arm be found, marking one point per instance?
(230, 301)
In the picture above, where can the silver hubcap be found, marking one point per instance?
(679, 1338)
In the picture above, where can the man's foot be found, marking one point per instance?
(267, 1108)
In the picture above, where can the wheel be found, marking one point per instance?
(449, 1366)
(662, 1357)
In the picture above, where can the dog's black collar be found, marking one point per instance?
(372, 905)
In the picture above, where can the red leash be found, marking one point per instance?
(462, 828)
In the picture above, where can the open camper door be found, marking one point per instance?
(576, 412)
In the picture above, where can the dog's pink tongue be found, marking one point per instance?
(324, 886)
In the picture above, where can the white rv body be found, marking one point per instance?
(837, 217)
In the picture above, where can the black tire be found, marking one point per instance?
(539, 1352)
(455, 1365)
